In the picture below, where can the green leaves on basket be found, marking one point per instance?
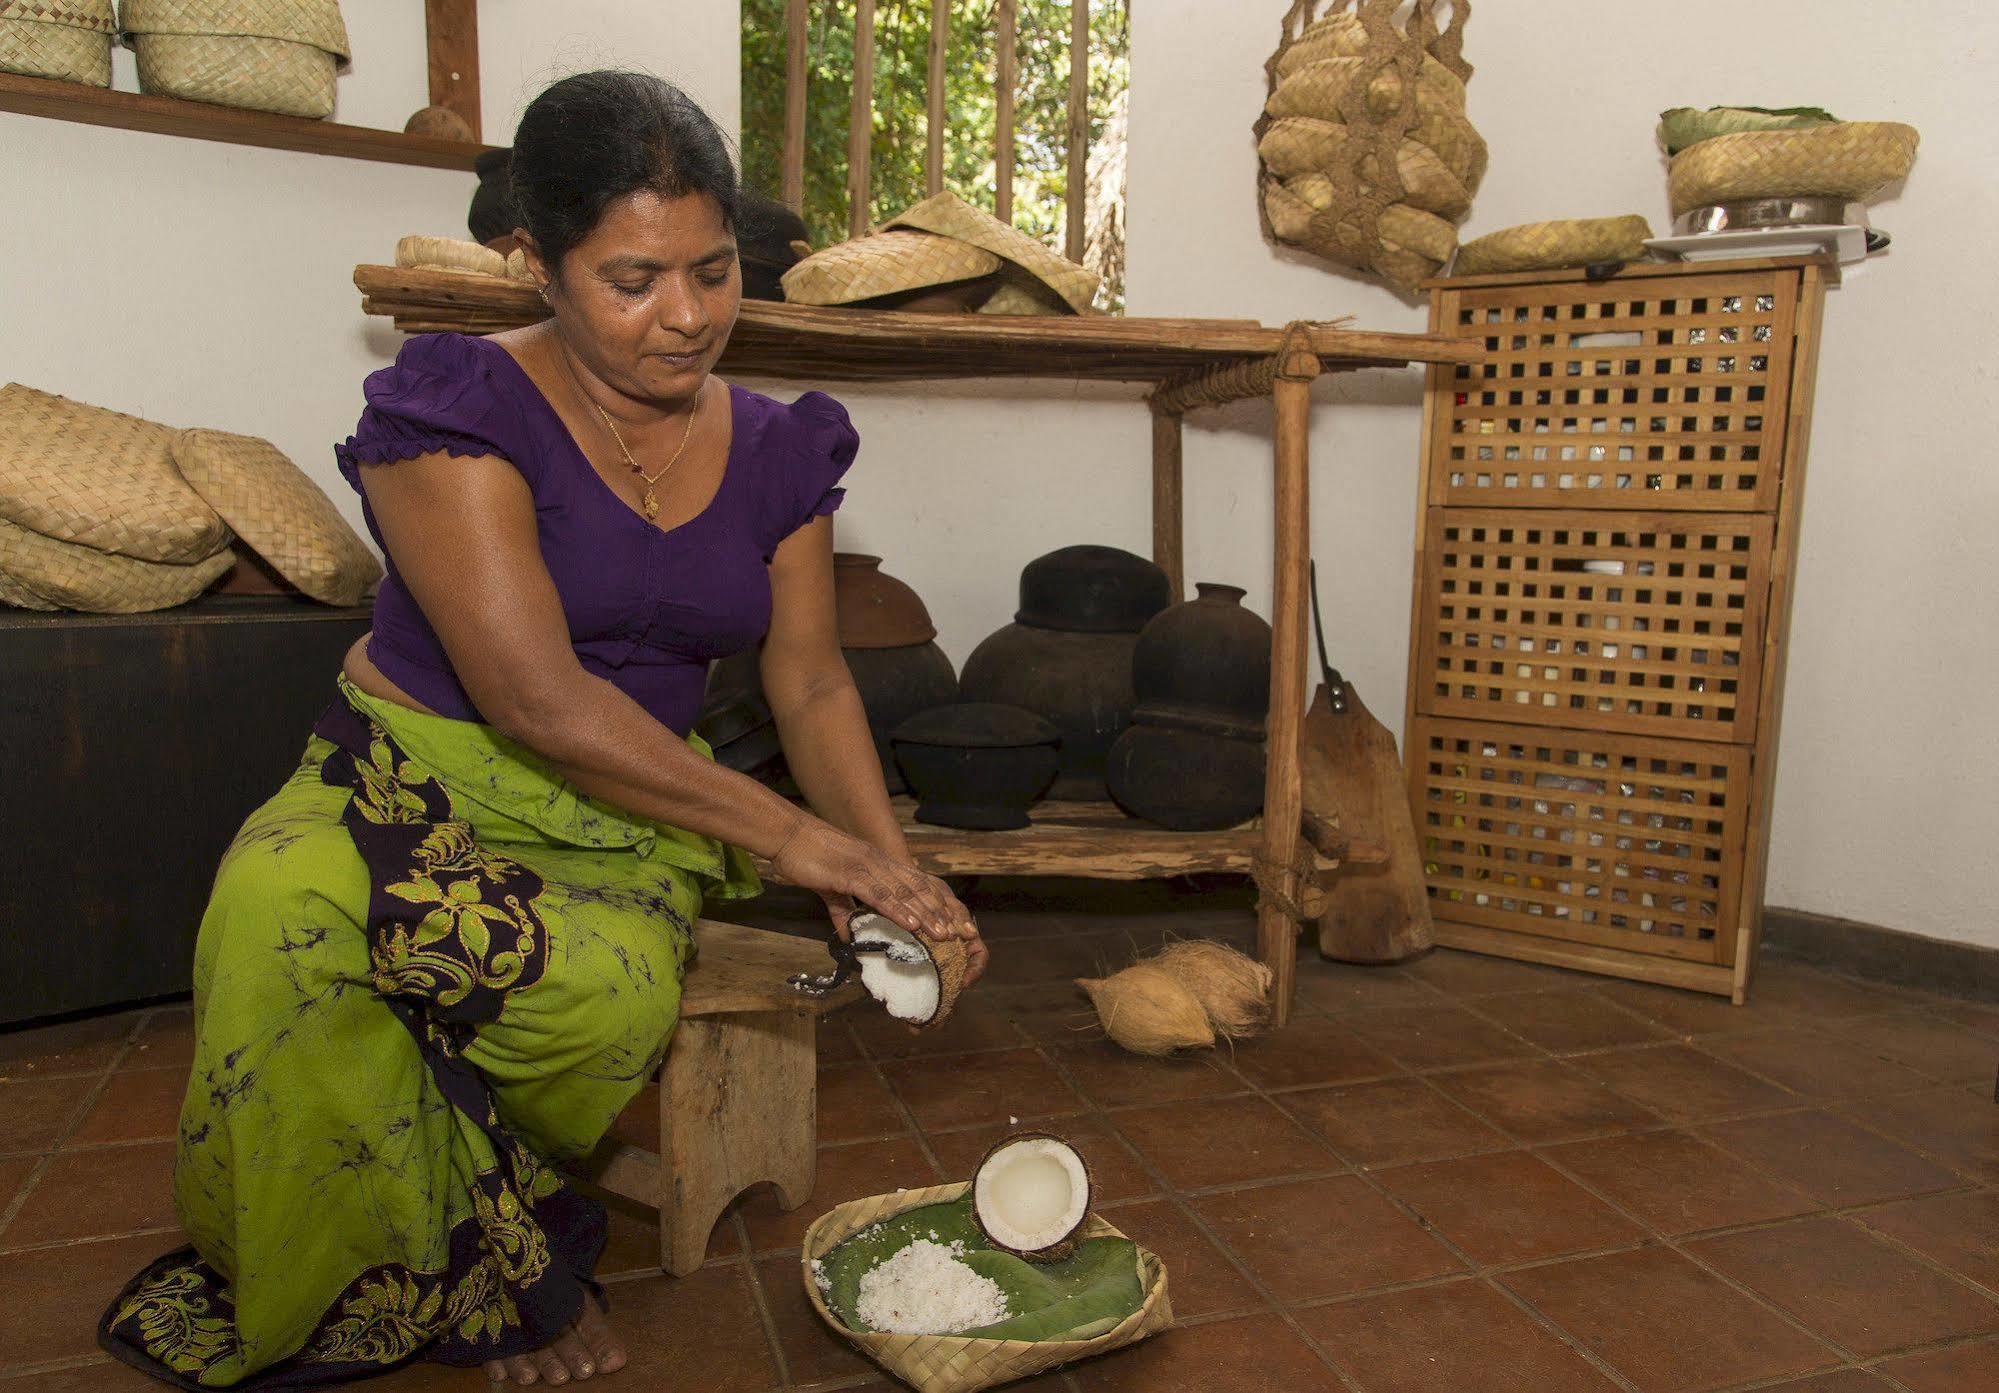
(1090, 1293)
(1686, 125)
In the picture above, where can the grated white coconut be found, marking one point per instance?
(910, 990)
(925, 1290)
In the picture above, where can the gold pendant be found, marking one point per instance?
(651, 506)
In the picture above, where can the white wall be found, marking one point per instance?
(207, 284)
(1889, 748)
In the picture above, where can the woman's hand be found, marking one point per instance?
(850, 875)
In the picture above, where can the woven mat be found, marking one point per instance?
(279, 513)
(98, 478)
(66, 576)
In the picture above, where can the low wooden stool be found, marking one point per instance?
(738, 1097)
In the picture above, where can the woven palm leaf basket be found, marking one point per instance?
(1554, 246)
(1853, 160)
(957, 1363)
(264, 55)
(68, 40)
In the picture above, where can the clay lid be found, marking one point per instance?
(872, 610)
(977, 725)
(1092, 590)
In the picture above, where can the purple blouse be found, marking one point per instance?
(647, 609)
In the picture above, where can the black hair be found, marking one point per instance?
(596, 137)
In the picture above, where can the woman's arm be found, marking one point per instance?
(462, 534)
(820, 720)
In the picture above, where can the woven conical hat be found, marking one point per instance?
(948, 215)
(887, 263)
(280, 513)
(100, 479)
(66, 576)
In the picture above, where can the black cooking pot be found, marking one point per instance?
(743, 734)
(493, 213)
(979, 765)
(1188, 780)
(1206, 661)
(765, 231)
(1092, 590)
(1079, 683)
(895, 684)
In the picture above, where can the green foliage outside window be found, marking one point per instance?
(902, 39)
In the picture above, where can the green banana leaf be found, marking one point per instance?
(1087, 1294)
(1686, 125)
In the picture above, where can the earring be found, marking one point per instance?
(542, 291)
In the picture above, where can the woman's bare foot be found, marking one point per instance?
(585, 1348)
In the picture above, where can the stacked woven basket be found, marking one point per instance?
(107, 513)
(1728, 154)
(1367, 156)
(265, 55)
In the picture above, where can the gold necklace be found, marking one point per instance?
(649, 502)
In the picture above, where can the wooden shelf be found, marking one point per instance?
(779, 340)
(135, 111)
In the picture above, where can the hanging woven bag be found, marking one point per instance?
(1366, 156)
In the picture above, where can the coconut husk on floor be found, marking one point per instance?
(1186, 996)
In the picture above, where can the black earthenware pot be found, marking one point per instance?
(765, 231)
(895, 684)
(493, 213)
(743, 734)
(1067, 656)
(1092, 590)
(1079, 683)
(978, 765)
(1189, 780)
(1208, 660)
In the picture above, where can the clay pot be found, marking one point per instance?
(874, 610)
(766, 231)
(895, 684)
(743, 734)
(1078, 682)
(1092, 590)
(493, 213)
(977, 765)
(1206, 661)
(1067, 655)
(1189, 780)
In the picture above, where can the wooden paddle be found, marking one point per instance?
(1378, 910)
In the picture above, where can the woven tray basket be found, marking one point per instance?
(68, 40)
(1853, 160)
(100, 479)
(63, 575)
(1550, 246)
(265, 55)
(886, 263)
(953, 1363)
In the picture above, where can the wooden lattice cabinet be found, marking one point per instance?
(1604, 564)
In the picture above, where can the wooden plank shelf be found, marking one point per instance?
(138, 111)
(780, 340)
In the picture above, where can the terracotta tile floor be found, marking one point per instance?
(1462, 1174)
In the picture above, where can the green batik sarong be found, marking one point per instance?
(430, 971)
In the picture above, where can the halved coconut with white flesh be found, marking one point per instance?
(1031, 1196)
(916, 979)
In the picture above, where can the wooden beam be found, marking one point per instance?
(940, 49)
(1283, 791)
(1006, 80)
(1079, 127)
(451, 37)
(796, 83)
(136, 111)
(1168, 525)
(861, 120)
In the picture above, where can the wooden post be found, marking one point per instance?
(940, 48)
(451, 36)
(1168, 519)
(1079, 126)
(1005, 80)
(861, 119)
(1283, 800)
(795, 84)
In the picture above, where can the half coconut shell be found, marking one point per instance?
(1031, 1196)
(921, 993)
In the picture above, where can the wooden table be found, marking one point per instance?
(1185, 364)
